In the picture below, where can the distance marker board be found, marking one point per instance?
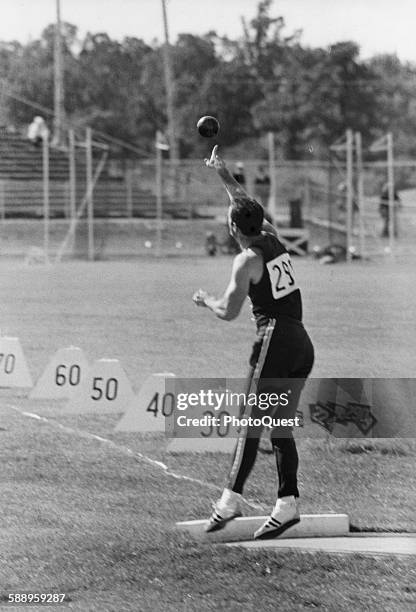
(147, 411)
(14, 371)
(63, 375)
(105, 389)
(209, 433)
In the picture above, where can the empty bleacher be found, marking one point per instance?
(21, 185)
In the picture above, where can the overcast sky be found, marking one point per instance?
(378, 26)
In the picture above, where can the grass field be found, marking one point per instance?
(82, 517)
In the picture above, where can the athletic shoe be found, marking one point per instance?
(285, 514)
(226, 509)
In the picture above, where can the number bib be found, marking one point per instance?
(282, 278)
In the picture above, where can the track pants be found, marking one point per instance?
(283, 351)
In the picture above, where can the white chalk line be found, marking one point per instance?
(128, 451)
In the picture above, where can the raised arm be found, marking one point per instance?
(233, 188)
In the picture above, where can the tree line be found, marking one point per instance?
(266, 80)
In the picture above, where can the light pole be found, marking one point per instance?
(169, 84)
(58, 80)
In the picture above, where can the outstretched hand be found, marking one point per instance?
(199, 297)
(215, 160)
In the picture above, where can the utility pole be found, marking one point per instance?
(58, 81)
(390, 183)
(350, 190)
(169, 84)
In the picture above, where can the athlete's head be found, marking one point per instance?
(245, 215)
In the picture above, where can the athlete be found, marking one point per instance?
(283, 350)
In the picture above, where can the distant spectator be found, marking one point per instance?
(384, 210)
(38, 131)
(262, 186)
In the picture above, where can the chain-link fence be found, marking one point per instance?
(118, 214)
(325, 205)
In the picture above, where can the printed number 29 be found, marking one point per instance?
(288, 270)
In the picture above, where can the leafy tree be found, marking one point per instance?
(110, 74)
(318, 96)
(264, 44)
(396, 95)
(265, 80)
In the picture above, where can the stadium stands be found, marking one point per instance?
(21, 185)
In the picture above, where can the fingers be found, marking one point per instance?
(211, 162)
(214, 155)
(199, 297)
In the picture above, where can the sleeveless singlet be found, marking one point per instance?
(277, 292)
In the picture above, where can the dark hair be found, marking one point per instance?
(247, 214)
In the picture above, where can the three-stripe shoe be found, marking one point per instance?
(226, 509)
(285, 514)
